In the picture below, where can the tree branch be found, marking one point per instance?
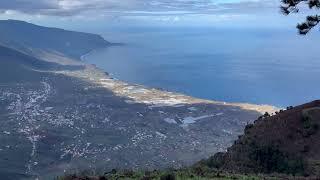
(290, 6)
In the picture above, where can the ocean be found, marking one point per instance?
(260, 66)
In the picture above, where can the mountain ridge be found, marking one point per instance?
(53, 40)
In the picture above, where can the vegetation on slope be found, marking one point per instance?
(287, 142)
(199, 173)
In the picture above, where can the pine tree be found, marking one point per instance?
(291, 6)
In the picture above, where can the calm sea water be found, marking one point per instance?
(275, 67)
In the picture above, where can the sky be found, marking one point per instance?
(239, 13)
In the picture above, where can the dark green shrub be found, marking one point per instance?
(146, 178)
(216, 161)
(128, 173)
(199, 170)
(113, 171)
(247, 128)
(266, 114)
(102, 178)
(270, 159)
(170, 176)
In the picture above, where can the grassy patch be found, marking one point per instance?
(183, 174)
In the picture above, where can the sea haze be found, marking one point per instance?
(261, 66)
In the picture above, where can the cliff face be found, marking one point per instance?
(33, 39)
(287, 142)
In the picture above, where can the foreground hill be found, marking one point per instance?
(285, 143)
(31, 38)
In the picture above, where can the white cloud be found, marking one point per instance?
(123, 12)
(151, 7)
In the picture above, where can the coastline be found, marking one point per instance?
(82, 58)
(152, 96)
